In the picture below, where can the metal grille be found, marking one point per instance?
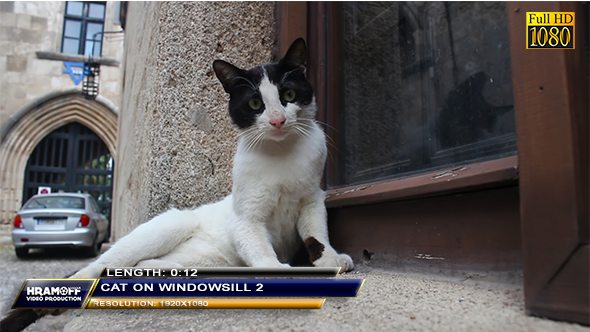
(72, 158)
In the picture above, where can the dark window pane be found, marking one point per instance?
(72, 29)
(96, 10)
(70, 46)
(97, 48)
(426, 85)
(75, 8)
(91, 29)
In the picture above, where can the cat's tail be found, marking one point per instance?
(18, 319)
(150, 240)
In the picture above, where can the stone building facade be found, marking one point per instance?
(40, 92)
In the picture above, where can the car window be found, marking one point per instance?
(94, 204)
(59, 202)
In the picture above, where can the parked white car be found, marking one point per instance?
(60, 220)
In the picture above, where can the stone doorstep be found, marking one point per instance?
(388, 301)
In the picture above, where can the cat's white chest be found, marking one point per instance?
(271, 186)
(294, 169)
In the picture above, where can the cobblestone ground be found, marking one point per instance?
(54, 263)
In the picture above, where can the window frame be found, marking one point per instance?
(551, 108)
(84, 20)
(317, 21)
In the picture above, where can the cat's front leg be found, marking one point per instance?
(253, 244)
(313, 229)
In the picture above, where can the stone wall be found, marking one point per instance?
(176, 141)
(27, 27)
(29, 86)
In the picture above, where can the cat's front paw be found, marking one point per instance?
(335, 260)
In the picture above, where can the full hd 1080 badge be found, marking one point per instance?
(553, 30)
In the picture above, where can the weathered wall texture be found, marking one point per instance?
(176, 141)
(34, 90)
(27, 27)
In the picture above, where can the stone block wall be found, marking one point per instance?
(175, 138)
(27, 27)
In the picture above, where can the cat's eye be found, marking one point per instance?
(289, 95)
(255, 103)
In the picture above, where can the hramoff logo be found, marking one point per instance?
(53, 294)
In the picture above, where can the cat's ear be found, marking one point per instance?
(296, 55)
(226, 73)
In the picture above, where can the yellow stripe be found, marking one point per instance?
(200, 303)
(90, 292)
(18, 295)
(357, 293)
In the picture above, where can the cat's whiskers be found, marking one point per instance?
(327, 125)
(255, 139)
(249, 83)
(248, 131)
(252, 141)
(258, 140)
(250, 136)
(329, 140)
(285, 75)
(300, 131)
(304, 125)
(245, 85)
(320, 123)
(308, 127)
(246, 136)
(305, 132)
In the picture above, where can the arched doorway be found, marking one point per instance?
(25, 130)
(72, 158)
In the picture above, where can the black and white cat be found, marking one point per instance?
(276, 199)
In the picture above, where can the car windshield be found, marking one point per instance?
(62, 202)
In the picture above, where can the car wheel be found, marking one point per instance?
(94, 249)
(21, 252)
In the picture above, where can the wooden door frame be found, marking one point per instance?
(551, 99)
(551, 105)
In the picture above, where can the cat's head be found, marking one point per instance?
(271, 100)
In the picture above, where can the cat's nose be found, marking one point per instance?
(277, 122)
